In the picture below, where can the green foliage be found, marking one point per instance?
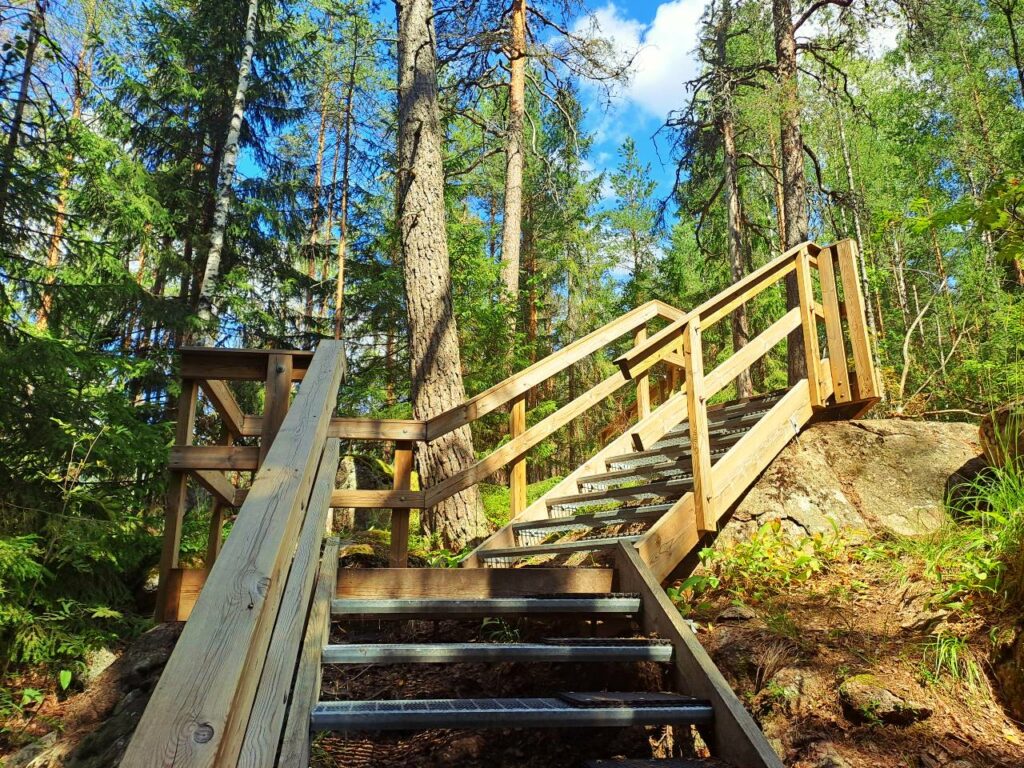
(949, 656)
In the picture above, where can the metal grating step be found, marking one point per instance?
(567, 650)
(405, 608)
(666, 489)
(595, 520)
(418, 714)
(665, 471)
(559, 547)
(727, 432)
(675, 454)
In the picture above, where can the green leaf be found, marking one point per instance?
(65, 679)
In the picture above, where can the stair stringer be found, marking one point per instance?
(650, 429)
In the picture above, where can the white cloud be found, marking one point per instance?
(663, 51)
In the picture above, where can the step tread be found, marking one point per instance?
(494, 606)
(538, 712)
(594, 519)
(557, 650)
(659, 489)
(579, 545)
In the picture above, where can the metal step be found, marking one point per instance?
(548, 712)
(557, 548)
(668, 489)
(666, 470)
(582, 522)
(568, 650)
(675, 454)
(727, 432)
(406, 608)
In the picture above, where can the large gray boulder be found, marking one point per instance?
(873, 475)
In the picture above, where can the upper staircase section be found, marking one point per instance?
(241, 686)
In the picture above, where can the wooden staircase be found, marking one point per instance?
(244, 685)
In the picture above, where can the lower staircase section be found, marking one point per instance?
(618, 666)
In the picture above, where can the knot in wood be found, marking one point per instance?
(203, 733)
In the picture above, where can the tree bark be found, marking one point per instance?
(1008, 7)
(314, 219)
(35, 25)
(228, 165)
(513, 212)
(739, 321)
(794, 183)
(339, 291)
(433, 338)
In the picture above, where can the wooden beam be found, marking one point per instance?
(295, 741)
(736, 737)
(643, 382)
(343, 498)
(264, 729)
(503, 393)
(276, 399)
(518, 446)
(239, 458)
(809, 327)
(755, 349)
(385, 430)
(865, 385)
(696, 409)
(218, 485)
(834, 327)
(183, 588)
(399, 554)
(175, 499)
(216, 535)
(470, 583)
(223, 401)
(651, 429)
(226, 364)
(517, 470)
(207, 682)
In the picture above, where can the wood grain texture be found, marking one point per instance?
(295, 743)
(865, 385)
(809, 327)
(218, 485)
(370, 499)
(834, 327)
(697, 412)
(517, 471)
(240, 458)
(356, 429)
(266, 721)
(207, 682)
(224, 403)
(399, 554)
(470, 583)
(737, 739)
(276, 399)
(225, 364)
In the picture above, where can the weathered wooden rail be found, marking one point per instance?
(239, 688)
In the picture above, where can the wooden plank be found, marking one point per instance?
(643, 382)
(356, 429)
(264, 729)
(517, 470)
(227, 364)
(184, 587)
(372, 499)
(696, 408)
(735, 471)
(470, 583)
(206, 683)
(833, 327)
(218, 485)
(856, 321)
(239, 458)
(809, 327)
(756, 348)
(215, 537)
(502, 393)
(224, 403)
(505, 536)
(517, 447)
(399, 554)
(276, 399)
(668, 415)
(736, 737)
(671, 538)
(295, 740)
(176, 496)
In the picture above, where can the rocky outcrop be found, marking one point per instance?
(1002, 434)
(881, 475)
(866, 699)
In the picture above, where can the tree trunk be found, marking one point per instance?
(339, 291)
(513, 213)
(433, 338)
(35, 25)
(794, 183)
(739, 321)
(83, 71)
(226, 178)
(314, 219)
(1008, 7)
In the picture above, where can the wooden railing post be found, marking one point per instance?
(517, 471)
(833, 326)
(399, 555)
(275, 400)
(643, 382)
(856, 321)
(697, 413)
(809, 326)
(177, 491)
